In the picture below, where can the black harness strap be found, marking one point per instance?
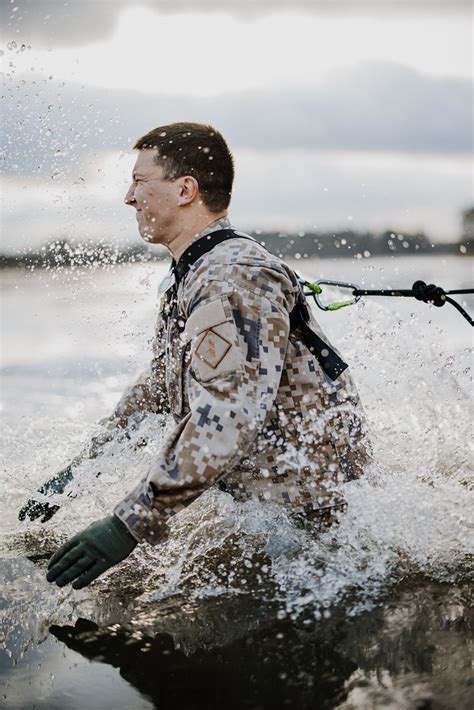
(202, 246)
(328, 359)
(332, 363)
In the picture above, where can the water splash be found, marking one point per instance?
(409, 516)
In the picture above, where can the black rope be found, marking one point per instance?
(428, 293)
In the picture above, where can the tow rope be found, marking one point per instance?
(428, 293)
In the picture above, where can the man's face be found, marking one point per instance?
(155, 199)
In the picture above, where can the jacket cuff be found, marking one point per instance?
(142, 520)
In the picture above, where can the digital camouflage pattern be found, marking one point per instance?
(254, 411)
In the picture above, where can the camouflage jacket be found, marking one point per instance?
(253, 410)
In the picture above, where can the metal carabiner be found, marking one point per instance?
(315, 291)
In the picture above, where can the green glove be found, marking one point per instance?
(90, 553)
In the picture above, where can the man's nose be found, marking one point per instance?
(130, 196)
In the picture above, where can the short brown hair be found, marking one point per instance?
(195, 149)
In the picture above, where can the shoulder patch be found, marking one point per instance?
(213, 348)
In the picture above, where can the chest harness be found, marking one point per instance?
(329, 360)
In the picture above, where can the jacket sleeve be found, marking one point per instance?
(148, 393)
(234, 347)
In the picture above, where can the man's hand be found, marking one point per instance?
(35, 508)
(90, 553)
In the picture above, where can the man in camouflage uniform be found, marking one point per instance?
(254, 411)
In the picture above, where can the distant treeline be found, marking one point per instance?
(70, 253)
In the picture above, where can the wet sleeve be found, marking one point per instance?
(235, 344)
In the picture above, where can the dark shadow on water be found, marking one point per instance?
(269, 669)
(410, 652)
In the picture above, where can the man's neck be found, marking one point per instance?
(186, 237)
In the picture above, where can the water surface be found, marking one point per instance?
(240, 607)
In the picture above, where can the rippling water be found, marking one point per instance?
(240, 605)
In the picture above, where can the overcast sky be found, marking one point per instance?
(339, 114)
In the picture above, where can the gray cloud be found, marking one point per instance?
(282, 190)
(51, 23)
(50, 127)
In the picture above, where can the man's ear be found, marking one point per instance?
(188, 190)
